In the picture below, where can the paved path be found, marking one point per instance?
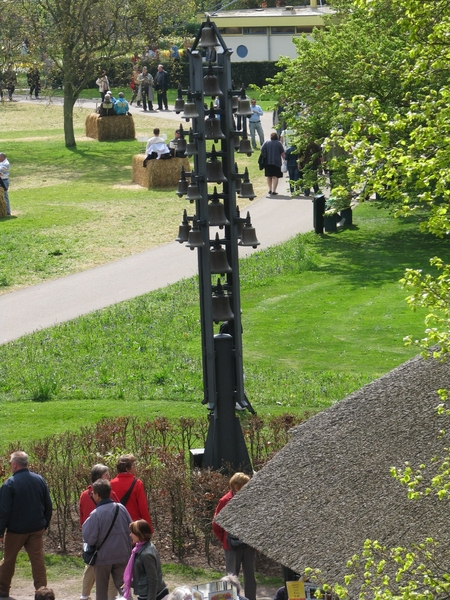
(46, 304)
(40, 306)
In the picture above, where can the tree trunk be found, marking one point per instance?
(69, 101)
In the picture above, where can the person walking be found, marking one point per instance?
(103, 84)
(107, 527)
(254, 123)
(34, 81)
(146, 81)
(4, 180)
(274, 151)
(25, 513)
(86, 505)
(135, 86)
(237, 553)
(161, 86)
(130, 490)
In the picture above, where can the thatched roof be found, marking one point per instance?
(330, 488)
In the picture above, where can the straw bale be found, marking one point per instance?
(158, 173)
(2, 203)
(120, 127)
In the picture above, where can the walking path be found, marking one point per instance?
(276, 219)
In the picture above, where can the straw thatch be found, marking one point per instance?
(2, 203)
(158, 173)
(330, 488)
(103, 129)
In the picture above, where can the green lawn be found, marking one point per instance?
(322, 316)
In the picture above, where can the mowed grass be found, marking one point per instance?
(76, 209)
(322, 316)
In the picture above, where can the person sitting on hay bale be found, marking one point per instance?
(158, 150)
(106, 108)
(121, 105)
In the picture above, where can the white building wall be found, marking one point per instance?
(260, 47)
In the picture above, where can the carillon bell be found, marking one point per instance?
(218, 258)
(248, 234)
(216, 212)
(190, 110)
(191, 146)
(211, 83)
(193, 193)
(179, 102)
(181, 142)
(208, 37)
(238, 179)
(214, 172)
(182, 184)
(247, 187)
(221, 308)
(234, 103)
(239, 223)
(212, 127)
(244, 109)
(183, 229)
(195, 239)
(245, 146)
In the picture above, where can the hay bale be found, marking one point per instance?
(158, 173)
(103, 129)
(2, 203)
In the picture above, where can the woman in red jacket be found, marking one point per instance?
(130, 490)
(236, 552)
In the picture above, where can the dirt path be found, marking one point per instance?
(69, 589)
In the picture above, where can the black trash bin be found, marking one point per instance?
(318, 210)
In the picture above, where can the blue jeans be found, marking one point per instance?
(6, 184)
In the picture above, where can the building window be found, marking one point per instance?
(231, 30)
(255, 30)
(242, 51)
(282, 30)
(304, 29)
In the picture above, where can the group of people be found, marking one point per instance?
(158, 149)
(116, 528)
(110, 106)
(144, 85)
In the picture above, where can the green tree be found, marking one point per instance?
(77, 36)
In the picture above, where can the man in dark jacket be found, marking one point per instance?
(25, 513)
(162, 85)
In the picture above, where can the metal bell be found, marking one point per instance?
(183, 229)
(245, 146)
(179, 102)
(216, 212)
(208, 37)
(211, 83)
(239, 223)
(218, 258)
(214, 172)
(247, 187)
(244, 109)
(238, 179)
(248, 234)
(182, 184)
(181, 142)
(190, 110)
(195, 239)
(221, 308)
(193, 193)
(212, 126)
